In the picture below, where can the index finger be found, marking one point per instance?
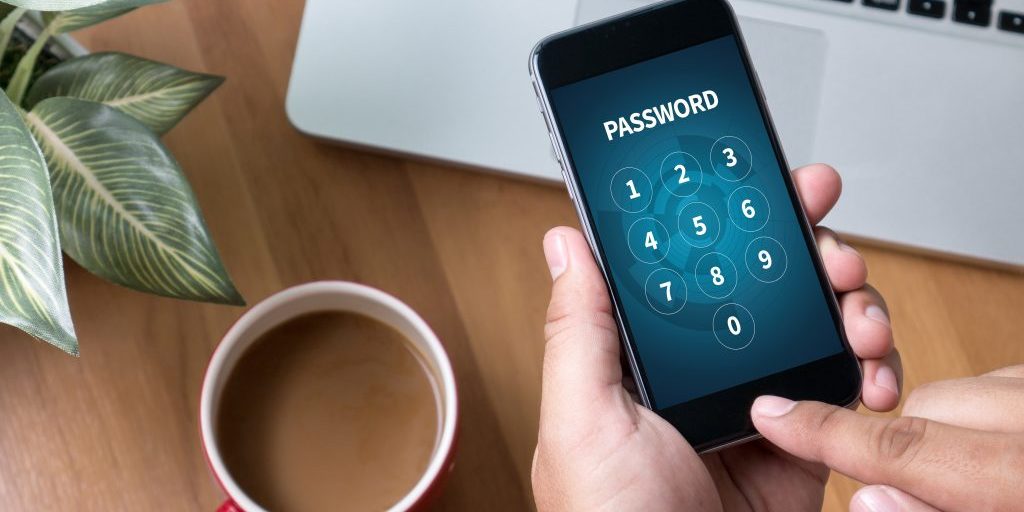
(819, 187)
(952, 468)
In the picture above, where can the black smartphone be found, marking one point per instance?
(676, 171)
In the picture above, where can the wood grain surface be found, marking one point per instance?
(116, 429)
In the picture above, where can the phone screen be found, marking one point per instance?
(691, 212)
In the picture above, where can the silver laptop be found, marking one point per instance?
(919, 103)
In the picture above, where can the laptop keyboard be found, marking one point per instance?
(992, 20)
(975, 13)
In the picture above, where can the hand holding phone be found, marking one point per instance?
(598, 448)
(685, 197)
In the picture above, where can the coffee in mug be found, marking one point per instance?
(328, 408)
(328, 396)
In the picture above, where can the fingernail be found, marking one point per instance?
(885, 378)
(828, 244)
(877, 314)
(556, 252)
(846, 247)
(877, 499)
(772, 406)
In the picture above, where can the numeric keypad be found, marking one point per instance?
(701, 224)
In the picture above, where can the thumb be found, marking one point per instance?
(582, 375)
(950, 467)
(882, 498)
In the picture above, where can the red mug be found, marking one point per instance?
(331, 296)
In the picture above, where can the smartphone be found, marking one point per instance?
(670, 156)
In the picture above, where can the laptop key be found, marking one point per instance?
(1011, 21)
(889, 5)
(973, 12)
(929, 8)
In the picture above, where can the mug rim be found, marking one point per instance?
(216, 371)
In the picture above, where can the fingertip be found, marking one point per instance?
(556, 253)
(794, 427)
(579, 288)
(770, 407)
(868, 339)
(564, 232)
(822, 174)
(845, 267)
(566, 248)
(867, 325)
(882, 383)
(884, 498)
(873, 498)
(819, 186)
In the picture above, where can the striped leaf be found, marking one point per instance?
(32, 294)
(156, 94)
(70, 20)
(126, 211)
(52, 5)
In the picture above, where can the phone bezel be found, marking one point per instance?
(722, 418)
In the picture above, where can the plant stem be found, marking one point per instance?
(7, 28)
(23, 73)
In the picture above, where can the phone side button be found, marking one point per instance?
(568, 189)
(554, 150)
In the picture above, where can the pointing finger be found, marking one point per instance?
(950, 467)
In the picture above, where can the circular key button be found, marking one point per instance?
(666, 291)
(733, 326)
(681, 174)
(748, 209)
(699, 225)
(631, 190)
(766, 259)
(648, 240)
(730, 158)
(715, 275)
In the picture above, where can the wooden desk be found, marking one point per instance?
(116, 429)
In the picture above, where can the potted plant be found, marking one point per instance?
(83, 170)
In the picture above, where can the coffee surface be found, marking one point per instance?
(329, 411)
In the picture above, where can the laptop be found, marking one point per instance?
(918, 103)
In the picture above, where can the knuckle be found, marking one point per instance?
(579, 296)
(830, 421)
(829, 424)
(565, 320)
(899, 441)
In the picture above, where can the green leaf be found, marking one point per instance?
(32, 294)
(70, 20)
(126, 211)
(11, 17)
(52, 5)
(156, 94)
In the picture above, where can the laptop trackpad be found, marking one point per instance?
(790, 62)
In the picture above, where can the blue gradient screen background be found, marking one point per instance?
(680, 352)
